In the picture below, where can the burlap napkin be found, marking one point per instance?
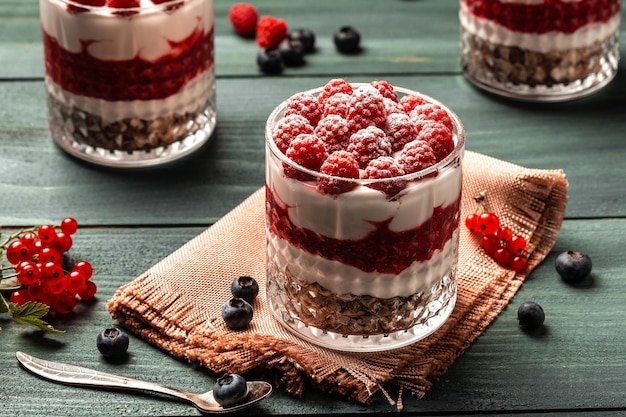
(176, 304)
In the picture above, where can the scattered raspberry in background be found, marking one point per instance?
(366, 108)
(332, 87)
(243, 17)
(439, 137)
(270, 31)
(307, 151)
(306, 105)
(334, 131)
(400, 130)
(288, 128)
(368, 144)
(336, 104)
(408, 103)
(416, 156)
(385, 167)
(385, 89)
(338, 164)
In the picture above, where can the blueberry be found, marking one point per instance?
(347, 40)
(306, 37)
(530, 315)
(573, 266)
(292, 52)
(245, 287)
(237, 313)
(270, 61)
(230, 389)
(112, 343)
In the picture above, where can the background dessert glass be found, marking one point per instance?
(540, 50)
(129, 87)
(362, 271)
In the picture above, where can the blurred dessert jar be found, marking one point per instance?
(129, 83)
(540, 50)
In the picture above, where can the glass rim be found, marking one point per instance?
(90, 8)
(458, 132)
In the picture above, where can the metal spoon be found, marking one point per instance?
(79, 376)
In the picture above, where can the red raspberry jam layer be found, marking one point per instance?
(382, 250)
(551, 15)
(135, 79)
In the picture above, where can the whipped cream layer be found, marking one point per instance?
(190, 98)
(153, 31)
(345, 279)
(495, 33)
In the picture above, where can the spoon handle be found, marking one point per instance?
(79, 376)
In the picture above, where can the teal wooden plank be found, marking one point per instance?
(585, 138)
(576, 365)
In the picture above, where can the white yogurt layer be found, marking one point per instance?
(345, 279)
(497, 34)
(188, 99)
(147, 34)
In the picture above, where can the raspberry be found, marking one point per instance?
(338, 164)
(270, 32)
(439, 137)
(332, 87)
(307, 151)
(306, 105)
(391, 106)
(288, 128)
(334, 131)
(408, 103)
(385, 89)
(432, 112)
(366, 108)
(385, 167)
(368, 144)
(243, 17)
(336, 104)
(416, 156)
(400, 130)
(72, 9)
(123, 4)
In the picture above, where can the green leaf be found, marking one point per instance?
(31, 314)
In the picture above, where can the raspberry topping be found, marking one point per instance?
(288, 128)
(391, 106)
(416, 156)
(368, 144)
(439, 137)
(270, 32)
(334, 131)
(123, 4)
(400, 130)
(337, 104)
(366, 108)
(243, 17)
(307, 151)
(385, 167)
(338, 164)
(408, 103)
(304, 104)
(332, 87)
(385, 89)
(432, 112)
(72, 9)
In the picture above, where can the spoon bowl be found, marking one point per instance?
(78, 376)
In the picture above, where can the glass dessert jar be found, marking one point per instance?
(540, 50)
(132, 86)
(362, 249)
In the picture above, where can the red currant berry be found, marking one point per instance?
(47, 234)
(503, 257)
(504, 234)
(90, 292)
(488, 223)
(77, 282)
(490, 244)
(28, 273)
(69, 225)
(519, 263)
(85, 268)
(471, 222)
(19, 297)
(62, 243)
(64, 303)
(18, 252)
(29, 239)
(49, 254)
(39, 293)
(517, 244)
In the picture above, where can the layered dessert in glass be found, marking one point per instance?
(363, 191)
(130, 82)
(540, 50)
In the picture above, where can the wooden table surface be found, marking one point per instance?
(131, 220)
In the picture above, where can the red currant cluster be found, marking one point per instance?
(36, 255)
(498, 241)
